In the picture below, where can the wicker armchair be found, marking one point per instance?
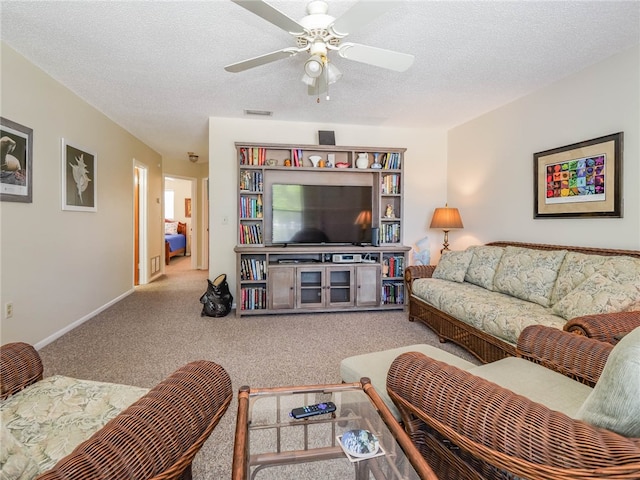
(155, 438)
(469, 428)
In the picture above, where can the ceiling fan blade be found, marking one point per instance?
(271, 14)
(359, 15)
(378, 57)
(261, 60)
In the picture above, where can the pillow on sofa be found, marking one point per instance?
(613, 403)
(596, 294)
(575, 269)
(528, 274)
(15, 461)
(453, 266)
(484, 262)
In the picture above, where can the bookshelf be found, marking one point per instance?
(286, 279)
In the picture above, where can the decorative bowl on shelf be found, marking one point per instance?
(342, 165)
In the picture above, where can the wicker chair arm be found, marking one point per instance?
(413, 272)
(20, 366)
(575, 356)
(606, 327)
(157, 437)
(501, 430)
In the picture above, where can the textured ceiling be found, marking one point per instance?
(157, 68)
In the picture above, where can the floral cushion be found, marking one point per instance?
(597, 294)
(575, 269)
(484, 262)
(625, 270)
(528, 274)
(15, 461)
(495, 313)
(453, 266)
(51, 417)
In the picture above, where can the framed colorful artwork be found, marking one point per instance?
(79, 178)
(579, 180)
(16, 150)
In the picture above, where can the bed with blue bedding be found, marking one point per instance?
(175, 239)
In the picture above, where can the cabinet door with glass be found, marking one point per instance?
(340, 284)
(310, 287)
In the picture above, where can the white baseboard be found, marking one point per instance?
(80, 321)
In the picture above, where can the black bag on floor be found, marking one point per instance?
(217, 300)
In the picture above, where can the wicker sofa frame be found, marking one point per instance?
(486, 347)
(467, 427)
(156, 438)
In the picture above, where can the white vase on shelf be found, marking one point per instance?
(363, 160)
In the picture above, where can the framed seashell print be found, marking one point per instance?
(79, 178)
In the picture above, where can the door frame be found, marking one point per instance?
(141, 226)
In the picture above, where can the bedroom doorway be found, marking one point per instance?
(180, 205)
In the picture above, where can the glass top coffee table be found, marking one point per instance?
(270, 444)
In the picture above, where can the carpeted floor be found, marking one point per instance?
(152, 332)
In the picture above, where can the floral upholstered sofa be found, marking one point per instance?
(482, 298)
(65, 428)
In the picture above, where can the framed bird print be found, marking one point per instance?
(79, 178)
(16, 152)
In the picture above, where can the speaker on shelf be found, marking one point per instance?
(375, 236)
(326, 137)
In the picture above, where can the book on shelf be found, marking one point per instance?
(254, 298)
(250, 234)
(252, 269)
(251, 180)
(391, 184)
(393, 293)
(252, 155)
(390, 233)
(391, 161)
(251, 207)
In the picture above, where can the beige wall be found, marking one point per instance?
(490, 164)
(61, 267)
(425, 172)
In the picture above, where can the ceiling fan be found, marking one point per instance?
(317, 34)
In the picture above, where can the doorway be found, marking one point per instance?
(180, 204)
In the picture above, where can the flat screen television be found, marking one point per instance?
(321, 214)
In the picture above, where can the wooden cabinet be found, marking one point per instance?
(290, 277)
(368, 285)
(281, 287)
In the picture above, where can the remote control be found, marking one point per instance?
(310, 410)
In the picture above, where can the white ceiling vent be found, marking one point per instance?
(260, 113)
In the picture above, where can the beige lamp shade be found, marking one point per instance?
(446, 218)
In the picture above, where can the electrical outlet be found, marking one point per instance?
(8, 310)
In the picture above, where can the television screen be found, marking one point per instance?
(321, 214)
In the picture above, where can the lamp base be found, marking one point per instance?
(445, 245)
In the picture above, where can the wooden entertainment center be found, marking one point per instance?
(282, 277)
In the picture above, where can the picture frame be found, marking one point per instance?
(16, 164)
(579, 180)
(187, 207)
(79, 178)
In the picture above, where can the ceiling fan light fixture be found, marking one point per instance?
(313, 66)
(333, 73)
(307, 80)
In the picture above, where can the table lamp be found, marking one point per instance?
(446, 218)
